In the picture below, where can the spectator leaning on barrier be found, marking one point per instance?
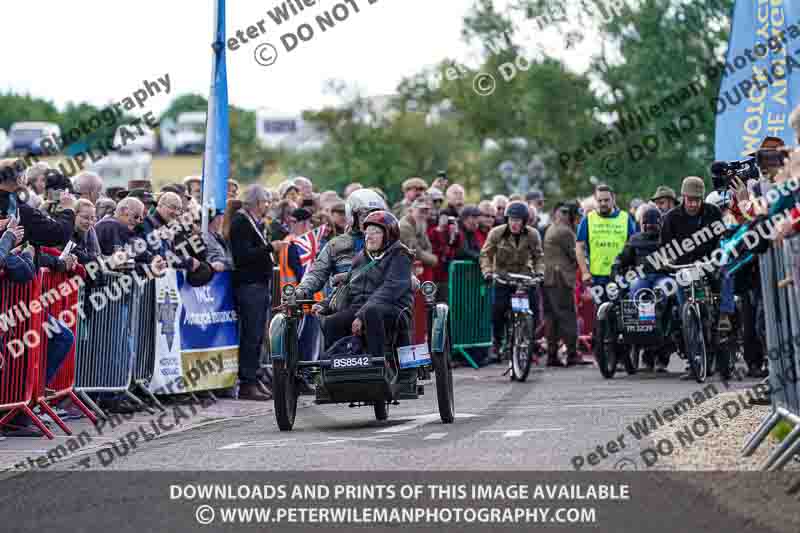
(86, 247)
(601, 237)
(118, 230)
(161, 240)
(252, 277)
(558, 287)
(414, 232)
(413, 188)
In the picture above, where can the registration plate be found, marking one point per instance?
(351, 362)
(520, 303)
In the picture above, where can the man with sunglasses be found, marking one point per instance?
(118, 230)
(413, 188)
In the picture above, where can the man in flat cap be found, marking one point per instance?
(665, 199)
(413, 188)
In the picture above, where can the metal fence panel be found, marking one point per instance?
(470, 305)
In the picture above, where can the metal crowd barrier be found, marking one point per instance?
(470, 309)
(105, 339)
(780, 287)
(143, 325)
(20, 363)
(59, 295)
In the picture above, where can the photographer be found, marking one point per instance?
(446, 240)
(40, 229)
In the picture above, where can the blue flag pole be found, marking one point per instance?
(217, 150)
(760, 78)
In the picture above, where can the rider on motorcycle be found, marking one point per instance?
(511, 248)
(333, 262)
(634, 256)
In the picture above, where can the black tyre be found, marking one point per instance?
(632, 358)
(695, 341)
(444, 383)
(284, 392)
(509, 342)
(605, 348)
(522, 350)
(381, 411)
(727, 354)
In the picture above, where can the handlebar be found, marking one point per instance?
(297, 303)
(518, 279)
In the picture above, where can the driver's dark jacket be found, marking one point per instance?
(386, 283)
(635, 253)
(707, 225)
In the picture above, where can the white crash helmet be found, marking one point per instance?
(362, 200)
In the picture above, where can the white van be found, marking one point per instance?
(187, 135)
(26, 137)
(140, 143)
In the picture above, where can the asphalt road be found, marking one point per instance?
(541, 424)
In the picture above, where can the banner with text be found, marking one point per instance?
(196, 328)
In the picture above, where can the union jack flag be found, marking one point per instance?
(308, 244)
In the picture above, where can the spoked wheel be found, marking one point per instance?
(605, 348)
(285, 395)
(508, 345)
(522, 350)
(444, 383)
(695, 342)
(381, 410)
(632, 358)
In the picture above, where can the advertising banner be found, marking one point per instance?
(197, 337)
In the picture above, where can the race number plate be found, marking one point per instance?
(647, 311)
(351, 362)
(414, 356)
(520, 303)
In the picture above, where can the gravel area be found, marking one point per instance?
(761, 498)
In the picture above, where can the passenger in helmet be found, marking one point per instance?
(333, 262)
(380, 287)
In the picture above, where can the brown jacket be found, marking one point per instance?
(502, 255)
(417, 241)
(560, 263)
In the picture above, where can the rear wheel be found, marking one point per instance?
(444, 383)
(522, 350)
(695, 342)
(285, 394)
(381, 411)
(605, 348)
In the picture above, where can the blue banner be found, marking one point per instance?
(760, 77)
(217, 151)
(208, 315)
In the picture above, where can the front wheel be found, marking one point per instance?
(695, 342)
(522, 350)
(632, 358)
(444, 383)
(605, 348)
(285, 395)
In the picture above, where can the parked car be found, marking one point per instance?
(26, 137)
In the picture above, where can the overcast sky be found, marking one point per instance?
(100, 51)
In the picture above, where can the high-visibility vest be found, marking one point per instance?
(288, 275)
(607, 238)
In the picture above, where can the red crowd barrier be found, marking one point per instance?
(64, 309)
(22, 362)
